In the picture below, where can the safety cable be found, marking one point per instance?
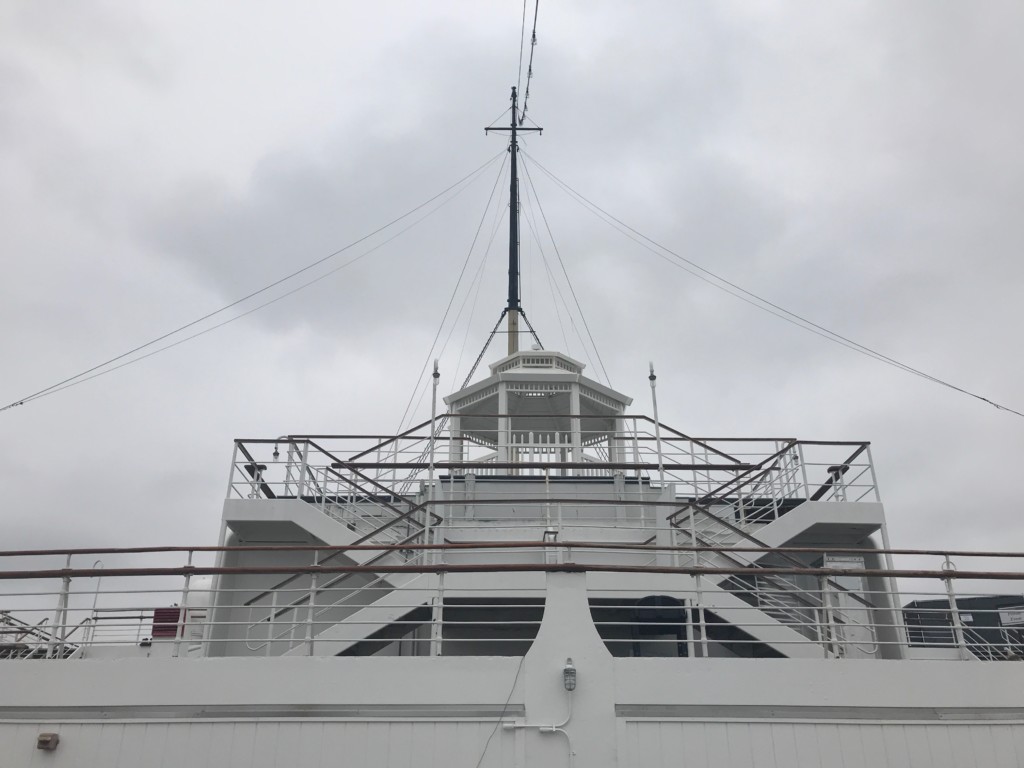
(455, 290)
(529, 69)
(69, 381)
(765, 305)
(561, 263)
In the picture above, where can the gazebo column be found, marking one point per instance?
(576, 426)
(454, 440)
(504, 432)
(617, 444)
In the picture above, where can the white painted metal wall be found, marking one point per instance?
(697, 744)
(402, 712)
(261, 744)
(268, 743)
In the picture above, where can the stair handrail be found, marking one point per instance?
(280, 610)
(836, 473)
(716, 493)
(27, 630)
(785, 556)
(337, 553)
(741, 480)
(772, 598)
(321, 608)
(735, 560)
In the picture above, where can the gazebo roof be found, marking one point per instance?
(542, 368)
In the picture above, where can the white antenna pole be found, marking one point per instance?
(430, 469)
(657, 426)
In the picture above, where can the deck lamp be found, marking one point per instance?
(569, 675)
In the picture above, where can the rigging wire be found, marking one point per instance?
(478, 281)
(60, 385)
(552, 277)
(561, 263)
(274, 300)
(499, 217)
(765, 305)
(529, 69)
(423, 385)
(490, 338)
(522, 41)
(451, 300)
(553, 286)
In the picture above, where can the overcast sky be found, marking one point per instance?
(857, 163)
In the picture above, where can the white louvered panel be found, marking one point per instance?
(261, 744)
(765, 744)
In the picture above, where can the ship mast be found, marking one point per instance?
(513, 308)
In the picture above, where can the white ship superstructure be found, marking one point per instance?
(543, 579)
(538, 575)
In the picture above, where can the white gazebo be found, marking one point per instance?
(537, 406)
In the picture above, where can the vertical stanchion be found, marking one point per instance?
(311, 614)
(55, 646)
(183, 610)
(657, 425)
(830, 625)
(954, 612)
(289, 466)
(803, 469)
(894, 596)
(436, 617)
(300, 486)
(701, 620)
(231, 472)
(429, 556)
(271, 620)
(693, 534)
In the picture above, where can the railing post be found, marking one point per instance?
(271, 621)
(325, 485)
(693, 535)
(657, 425)
(838, 484)
(691, 634)
(830, 627)
(874, 478)
(430, 471)
(183, 610)
(636, 449)
(231, 472)
(97, 565)
(289, 465)
(311, 614)
(700, 618)
(301, 485)
(954, 612)
(55, 646)
(436, 617)
(803, 469)
(254, 483)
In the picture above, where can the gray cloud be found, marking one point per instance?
(859, 165)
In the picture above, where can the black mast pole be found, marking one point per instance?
(513, 308)
(513, 238)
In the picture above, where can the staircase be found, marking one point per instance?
(21, 640)
(816, 620)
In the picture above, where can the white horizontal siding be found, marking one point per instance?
(261, 744)
(665, 744)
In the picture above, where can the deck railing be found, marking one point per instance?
(429, 600)
(368, 480)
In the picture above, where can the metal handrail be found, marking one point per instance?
(781, 552)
